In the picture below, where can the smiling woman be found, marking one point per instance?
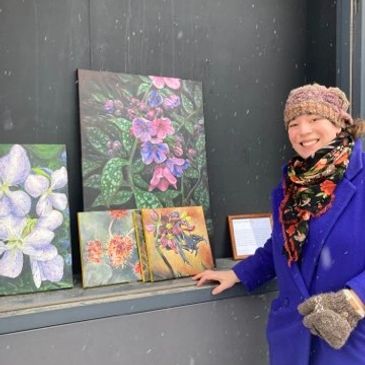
(316, 249)
(308, 133)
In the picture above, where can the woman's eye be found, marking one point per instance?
(291, 125)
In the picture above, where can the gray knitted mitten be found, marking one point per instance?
(330, 316)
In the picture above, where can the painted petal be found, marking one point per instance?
(50, 221)
(3, 247)
(172, 82)
(36, 271)
(158, 82)
(168, 175)
(11, 263)
(39, 237)
(59, 178)
(163, 185)
(44, 205)
(40, 253)
(11, 226)
(5, 206)
(52, 270)
(59, 200)
(20, 202)
(15, 166)
(35, 185)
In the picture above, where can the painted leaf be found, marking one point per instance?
(201, 195)
(89, 166)
(97, 139)
(100, 98)
(145, 79)
(93, 181)
(125, 126)
(200, 143)
(170, 194)
(122, 197)
(138, 166)
(99, 201)
(198, 97)
(191, 173)
(39, 171)
(46, 152)
(140, 182)
(200, 160)
(145, 199)
(187, 104)
(143, 88)
(111, 178)
(189, 126)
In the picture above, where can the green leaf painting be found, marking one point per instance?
(108, 248)
(35, 248)
(143, 141)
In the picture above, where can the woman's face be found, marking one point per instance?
(309, 132)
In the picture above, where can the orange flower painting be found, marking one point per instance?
(176, 241)
(108, 248)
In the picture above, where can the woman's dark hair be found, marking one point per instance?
(357, 129)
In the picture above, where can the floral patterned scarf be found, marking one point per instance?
(309, 190)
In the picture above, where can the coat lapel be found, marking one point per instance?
(294, 271)
(324, 224)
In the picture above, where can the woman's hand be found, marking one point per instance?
(226, 279)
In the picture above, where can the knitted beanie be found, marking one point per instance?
(328, 102)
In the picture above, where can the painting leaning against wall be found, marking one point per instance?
(108, 247)
(143, 142)
(35, 248)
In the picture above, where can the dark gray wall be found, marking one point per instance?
(248, 54)
(321, 41)
(230, 331)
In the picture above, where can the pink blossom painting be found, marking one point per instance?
(143, 142)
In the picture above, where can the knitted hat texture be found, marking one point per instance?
(328, 102)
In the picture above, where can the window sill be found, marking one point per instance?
(31, 311)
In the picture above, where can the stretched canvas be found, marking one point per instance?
(141, 245)
(108, 248)
(177, 242)
(35, 248)
(143, 141)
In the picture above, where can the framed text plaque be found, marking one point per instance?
(248, 232)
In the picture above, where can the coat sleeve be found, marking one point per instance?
(357, 284)
(256, 269)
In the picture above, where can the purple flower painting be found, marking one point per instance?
(34, 219)
(143, 142)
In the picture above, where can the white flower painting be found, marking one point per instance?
(35, 249)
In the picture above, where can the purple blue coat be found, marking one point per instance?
(333, 258)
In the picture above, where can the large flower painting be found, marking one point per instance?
(35, 249)
(108, 247)
(143, 141)
(176, 241)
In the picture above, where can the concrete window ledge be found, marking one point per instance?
(31, 311)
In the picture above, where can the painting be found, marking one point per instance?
(177, 242)
(35, 248)
(143, 142)
(141, 245)
(108, 248)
